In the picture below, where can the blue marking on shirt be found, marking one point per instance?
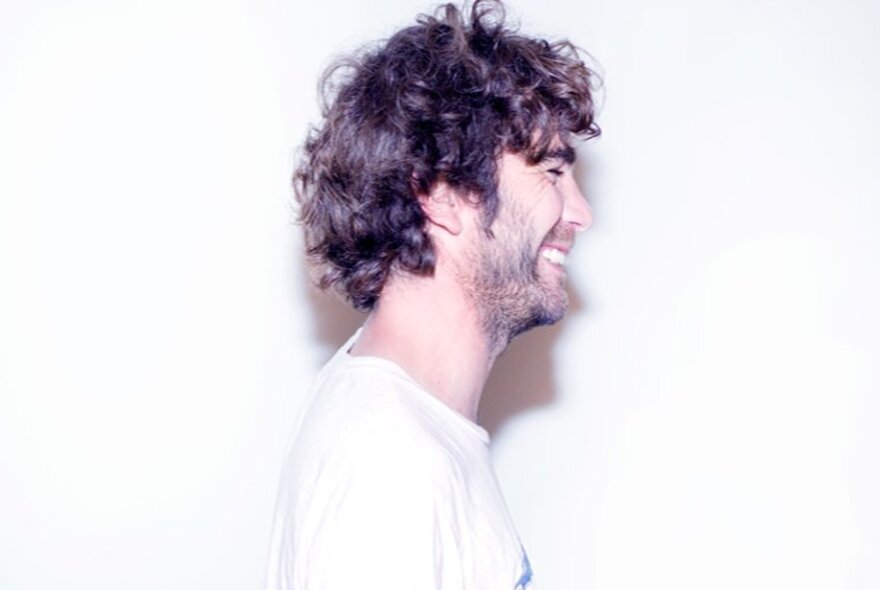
(526, 577)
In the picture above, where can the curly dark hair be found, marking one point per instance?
(439, 101)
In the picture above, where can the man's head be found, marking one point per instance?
(455, 100)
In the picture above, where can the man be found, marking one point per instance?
(438, 195)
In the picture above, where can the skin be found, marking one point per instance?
(484, 290)
(514, 287)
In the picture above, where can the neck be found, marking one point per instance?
(430, 328)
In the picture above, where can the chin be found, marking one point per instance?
(548, 311)
(554, 302)
(555, 310)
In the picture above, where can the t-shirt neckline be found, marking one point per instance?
(430, 398)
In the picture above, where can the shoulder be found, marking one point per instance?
(369, 484)
(376, 415)
(363, 441)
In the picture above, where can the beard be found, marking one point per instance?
(509, 287)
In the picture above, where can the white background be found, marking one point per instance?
(705, 418)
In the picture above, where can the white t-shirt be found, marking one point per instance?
(387, 487)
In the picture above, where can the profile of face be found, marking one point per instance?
(517, 274)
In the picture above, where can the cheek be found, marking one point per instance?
(549, 211)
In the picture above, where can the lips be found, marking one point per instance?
(557, 244)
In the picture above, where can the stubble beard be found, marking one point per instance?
(509, 290)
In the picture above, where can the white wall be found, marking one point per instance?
(705, 418)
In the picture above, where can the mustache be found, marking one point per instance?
(561, 233)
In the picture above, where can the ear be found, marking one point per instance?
(444, 209)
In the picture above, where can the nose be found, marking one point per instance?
(577, 211)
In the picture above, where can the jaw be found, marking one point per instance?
(517, 286)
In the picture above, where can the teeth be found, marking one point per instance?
(553, 255)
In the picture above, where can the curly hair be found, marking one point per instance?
(439, 101)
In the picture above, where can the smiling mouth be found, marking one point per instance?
(554, 256)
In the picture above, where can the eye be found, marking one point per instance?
(555, 173)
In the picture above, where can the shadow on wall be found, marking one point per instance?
(334, 321)
(524, 376)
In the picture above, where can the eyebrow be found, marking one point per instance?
(563, 155)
